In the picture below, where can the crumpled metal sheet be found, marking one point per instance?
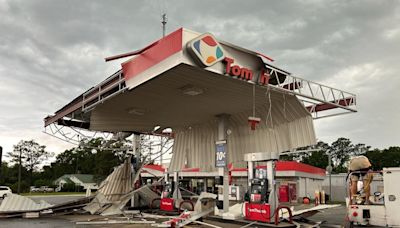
(118, 183)
(17, 203)
(97, 203)
(146, 196)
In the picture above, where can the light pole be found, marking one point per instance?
(329, 169)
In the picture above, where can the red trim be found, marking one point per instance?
(292, 86)
(280, 166)
(190, 170)
(327, 106)
(155, 167)
(267, 57)
(130, 53)
(289, 166)
(239, 170)
(297, 166)
(162, 49)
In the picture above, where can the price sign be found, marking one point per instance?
(220, 154)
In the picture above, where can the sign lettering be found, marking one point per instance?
(220, 154)
(245, 73)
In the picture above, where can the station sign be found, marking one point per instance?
(220, 154)
(206, 51)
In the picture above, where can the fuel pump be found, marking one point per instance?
(258, 188)
(261, 199)
(167, 195)
(170, 192)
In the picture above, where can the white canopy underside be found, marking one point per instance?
(162, 102)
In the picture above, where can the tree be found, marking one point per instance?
(317, 158)
(380, 159)
(88, 158)
(341, 150)
(30, 154)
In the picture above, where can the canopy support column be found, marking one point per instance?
(222, 128)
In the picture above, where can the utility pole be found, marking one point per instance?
(19, 172)
(164, 22)
(1, 155)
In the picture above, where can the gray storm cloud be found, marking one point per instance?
(51, 51)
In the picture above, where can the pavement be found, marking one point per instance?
(333, 217)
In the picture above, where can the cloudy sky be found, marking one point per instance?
(52, 51)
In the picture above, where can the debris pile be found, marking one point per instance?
(112, 199)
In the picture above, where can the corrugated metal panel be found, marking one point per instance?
(16, 203)
(196, 145)
(118, 183)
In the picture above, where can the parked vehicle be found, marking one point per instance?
(34, 189)
(46, 189)
(4, 191)
(384, 206)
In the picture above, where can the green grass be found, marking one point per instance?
(51, 193)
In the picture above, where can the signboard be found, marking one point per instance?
(207, 49)
(220, 154)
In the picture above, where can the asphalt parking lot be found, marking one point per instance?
(333, 217)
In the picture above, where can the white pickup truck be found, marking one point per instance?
(384, 209)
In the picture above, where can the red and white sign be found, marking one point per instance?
(167, 204)
(257, 212)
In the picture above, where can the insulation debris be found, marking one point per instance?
(234, 212)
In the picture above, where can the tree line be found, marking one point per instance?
(87, 158)
(342, 150)
(90, 157)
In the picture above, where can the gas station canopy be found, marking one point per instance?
(185, 80)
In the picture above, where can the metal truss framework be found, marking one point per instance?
(316, 97)
(73, 135)
(154, 147)
(111, 87)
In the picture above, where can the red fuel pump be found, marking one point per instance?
(257, 207)
(260, 199)
(167, 202)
